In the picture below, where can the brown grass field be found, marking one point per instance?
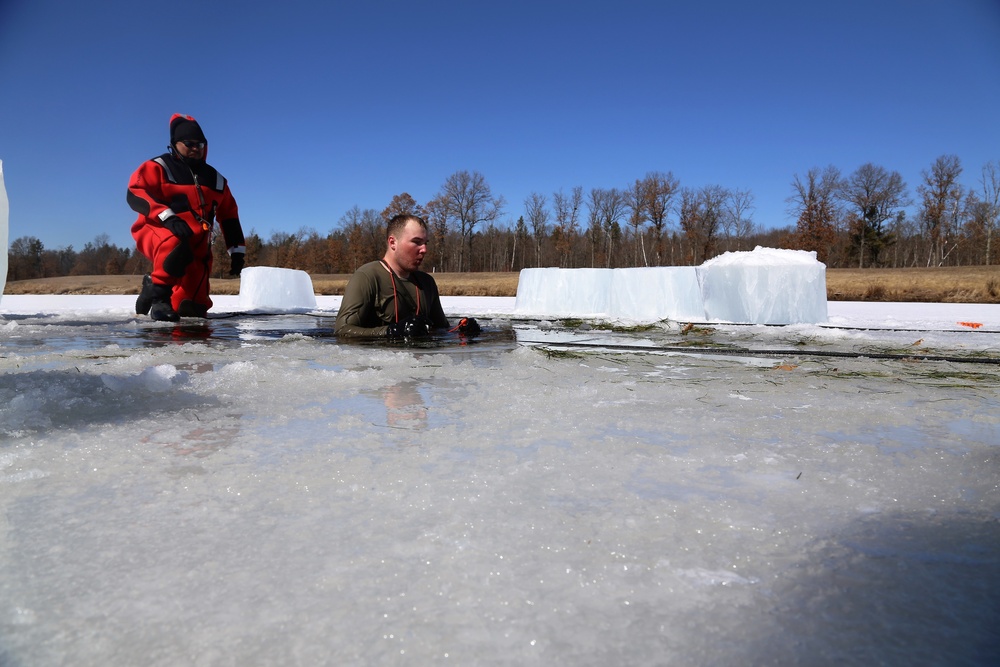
(964, 284)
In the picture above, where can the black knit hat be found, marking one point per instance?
(185, 128)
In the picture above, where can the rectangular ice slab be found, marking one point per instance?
(647, 294)
(765, 286)
(270, 288)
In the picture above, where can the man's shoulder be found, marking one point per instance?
(164, 162)
(155, 162)
(170, 162)
(371, 272)
(207, 172)
(423, 278)
(369, 267)
(162, 158)
(423, 275)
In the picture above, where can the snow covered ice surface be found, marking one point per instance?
(252, 491)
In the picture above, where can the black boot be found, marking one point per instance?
(146, 295)
(159, 303)
(162, 311)
(189, 308)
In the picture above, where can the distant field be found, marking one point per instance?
(952, 284)
(964, 284)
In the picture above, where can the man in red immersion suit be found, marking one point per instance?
(179, 197)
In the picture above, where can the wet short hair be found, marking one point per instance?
(398, 222)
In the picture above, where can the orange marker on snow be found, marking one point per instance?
(973, 325)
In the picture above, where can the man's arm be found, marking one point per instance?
(228, 216)
(357, 316)
(435, 312)
(145, 192)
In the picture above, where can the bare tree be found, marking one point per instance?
(814, 205)
(607, 206)
(635, 202)
(25, 257)
(494, 248)
(991, 201)
(365, 232)
(594, 233)
(99, 257)
(661, 189)
(876, 195)
(538, 218)
(567, 220)
(941, 197)
(468, 201)
(438, 251)
(701, 219)
(403, 203)
(737, 222)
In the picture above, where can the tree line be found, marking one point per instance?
(868, 218)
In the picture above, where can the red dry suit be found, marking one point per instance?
(195, 192)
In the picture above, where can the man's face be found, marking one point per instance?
(409, 247)
(194, 150)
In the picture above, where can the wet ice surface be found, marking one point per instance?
(270, 495)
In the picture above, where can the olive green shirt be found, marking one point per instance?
(371, 301)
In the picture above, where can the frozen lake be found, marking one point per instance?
(252, 491)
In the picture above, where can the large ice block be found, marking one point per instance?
(271, 288)
(646, 294)
(553, 292)
(765, 286)
(4, 213)
(651, 294)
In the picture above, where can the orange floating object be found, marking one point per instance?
(974, 325)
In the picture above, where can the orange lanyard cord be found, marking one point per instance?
(395, 296)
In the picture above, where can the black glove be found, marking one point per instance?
(469, 326)
(414, 327)
(236, 261)
(178, 227)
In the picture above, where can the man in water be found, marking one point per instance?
(178, 197)
(392, 297)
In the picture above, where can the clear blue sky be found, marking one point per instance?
(311, 108)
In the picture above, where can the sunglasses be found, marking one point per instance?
(193, 144)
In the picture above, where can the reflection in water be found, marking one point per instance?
(199, 442)
(191, 331)
(404, 407)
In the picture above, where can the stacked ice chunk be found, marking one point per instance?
(765, 286)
